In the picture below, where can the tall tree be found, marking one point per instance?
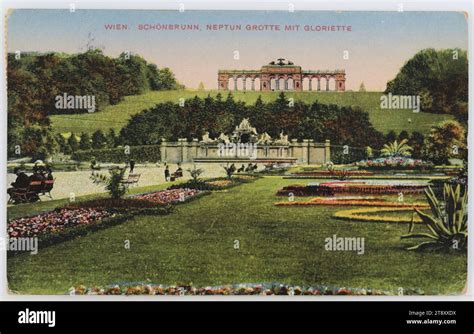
(98, 140)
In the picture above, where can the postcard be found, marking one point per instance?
(237, 152)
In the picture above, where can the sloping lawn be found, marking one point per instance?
(195, 244)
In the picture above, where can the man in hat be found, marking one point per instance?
(22, 180)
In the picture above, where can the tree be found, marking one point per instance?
(111, 138)
(403, 135)
(391, 136)
(63, 145)
(98, 140)
(439, 77)
(397, 149)
(201, 86)
(445, 141)
(168, 80)
(362, 87)
(342, 125)
(416, 142)
(73, 142)
(85, 141)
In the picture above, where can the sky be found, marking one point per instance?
(378, 45)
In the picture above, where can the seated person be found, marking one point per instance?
(37, 177)
(22, 180)
(48, 174)
(179, 172)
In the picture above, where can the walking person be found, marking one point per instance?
(167, 173)
(132, 165)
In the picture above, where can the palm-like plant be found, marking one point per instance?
(113, 183)
(448, 222)
(397, 149)
(195, 173)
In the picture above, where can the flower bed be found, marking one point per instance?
(399, 163)
(169, 196)
(341, 188)
(114, 203)
(335, 173)
(363, 214)
(55, 221)
(216, 183)
(355, 202)
(266, 289)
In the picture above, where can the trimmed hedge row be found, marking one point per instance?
(339, 156)
(144, 153)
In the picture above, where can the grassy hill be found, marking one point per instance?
(116, 116)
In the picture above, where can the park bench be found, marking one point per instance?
(25, 195)
(131, 180)
(31, 193)
(47, 187)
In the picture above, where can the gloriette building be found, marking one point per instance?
(282, 76)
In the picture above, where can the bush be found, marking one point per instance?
(113, 183)
(338, 155)
(148, 153)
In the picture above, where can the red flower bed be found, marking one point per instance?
(353, 202)
(335, 173)
(169, 196)
(343, 188)
(299, 190)
(54, 221)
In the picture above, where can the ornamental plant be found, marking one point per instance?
(113, 183)
(447, 224)
(195, 173)
(397, 149)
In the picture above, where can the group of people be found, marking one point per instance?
(177, 174)
(41, 173)
(249, 168)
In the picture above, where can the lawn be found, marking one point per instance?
(277, 244)
(116, 116)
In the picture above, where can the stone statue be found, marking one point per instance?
(223, 138)
(283, 139)
(264, 138)
(206, 139)
(245, 127)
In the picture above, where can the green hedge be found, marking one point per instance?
(354, 154)
(145, 153)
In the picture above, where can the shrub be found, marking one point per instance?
(113, 183)
(148, 153)
(195, 173)
(341, 156)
